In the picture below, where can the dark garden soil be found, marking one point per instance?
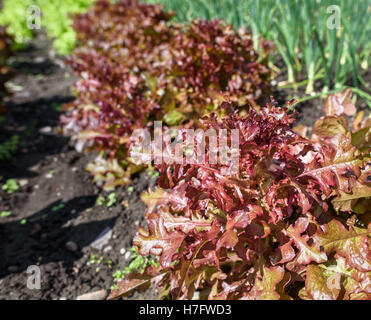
(56, 202)
(54, 216)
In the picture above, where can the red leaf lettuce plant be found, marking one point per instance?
(293, 223)
(135, 68)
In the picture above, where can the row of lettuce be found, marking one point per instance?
(135, 68)
(293, 222)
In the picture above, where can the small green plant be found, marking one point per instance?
(9, 147)
(58, 207)
(5, 214)
(117, 275)
(39, 260)
(97, 260)
(154, 174)
(10, 186)
(111, 200)
(23, 221)
(100, 201)
(93, 258)
(130, 189)
(137, 265)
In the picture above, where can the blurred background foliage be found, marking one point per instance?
(55, 18)
(308, 50)
(299, 29)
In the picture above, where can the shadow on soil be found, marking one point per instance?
(43, 236)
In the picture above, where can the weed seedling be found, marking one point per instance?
(10, 186)
(4, 214)
(154, 174)
(99, 261)
(100, 201)
(111, 200)
(137, 265)
(58, 207)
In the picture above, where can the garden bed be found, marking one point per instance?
(52, 173)
(56, 202)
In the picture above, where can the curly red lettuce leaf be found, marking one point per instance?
(135, 68)
(273, 229)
